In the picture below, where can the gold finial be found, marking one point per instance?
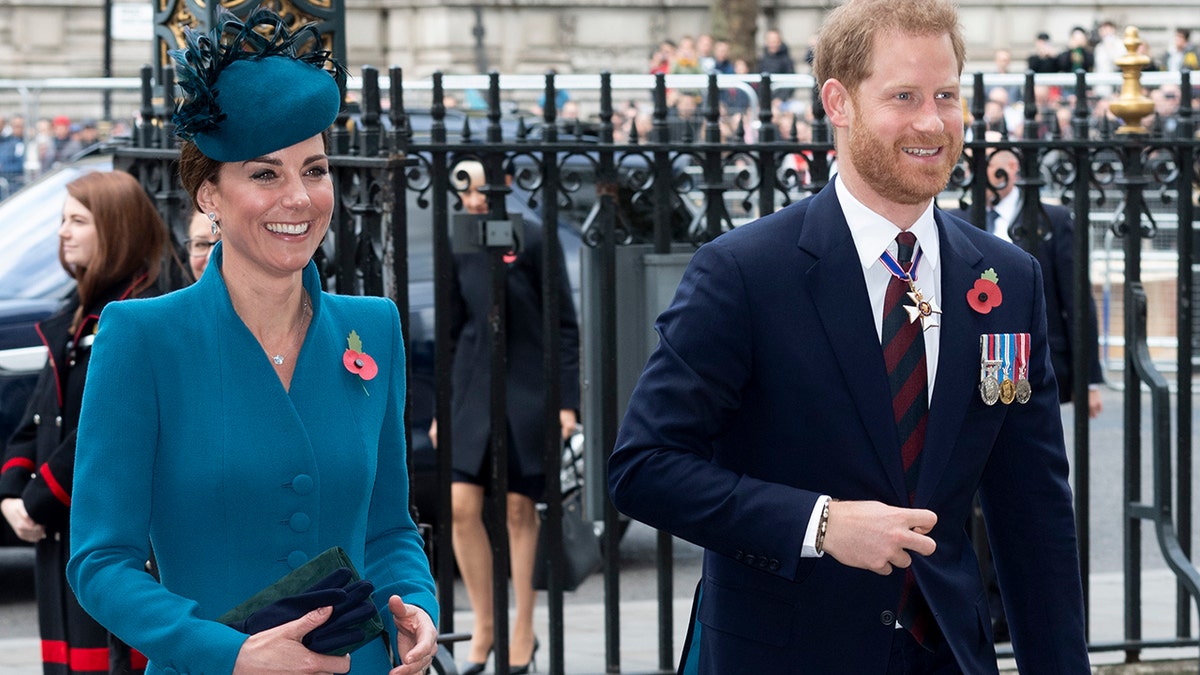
(1132, 106)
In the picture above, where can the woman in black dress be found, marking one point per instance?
(525, 392)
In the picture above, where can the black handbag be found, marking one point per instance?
(581, 547)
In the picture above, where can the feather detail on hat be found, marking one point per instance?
(207, 55)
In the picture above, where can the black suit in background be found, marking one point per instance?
(525, 383)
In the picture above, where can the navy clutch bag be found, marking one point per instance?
(327, 580)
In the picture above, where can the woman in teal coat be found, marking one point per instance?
(254, 420)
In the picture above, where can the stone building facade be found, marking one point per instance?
(66, 38)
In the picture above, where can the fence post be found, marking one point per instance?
(1132, 107)
(1185, 334)
(443, 270)
(1081, 330)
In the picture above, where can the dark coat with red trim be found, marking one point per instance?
(39, 461)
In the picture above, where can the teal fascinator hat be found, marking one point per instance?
(255, 87)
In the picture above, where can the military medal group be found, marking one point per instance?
(1003, 357)
(1004, 368)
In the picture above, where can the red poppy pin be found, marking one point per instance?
(985, 294)
(359, 362)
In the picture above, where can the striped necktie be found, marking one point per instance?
(904, 356)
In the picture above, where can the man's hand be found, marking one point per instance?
(19, 520)
(416, 637)
(280, 650)
(877, 537)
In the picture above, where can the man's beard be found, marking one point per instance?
(879, 165)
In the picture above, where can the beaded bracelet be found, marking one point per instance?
(821, 527)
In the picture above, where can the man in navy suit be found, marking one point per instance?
(826, 456)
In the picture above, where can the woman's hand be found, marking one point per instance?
(280, 650)
(416, 637)
(568, 420)
(19, 520)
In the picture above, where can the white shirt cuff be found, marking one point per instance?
(810, 535)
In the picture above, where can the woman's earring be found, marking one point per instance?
(216, 226)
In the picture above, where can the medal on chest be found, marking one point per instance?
(1004, 368)
(922, 308)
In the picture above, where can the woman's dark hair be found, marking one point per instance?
(194, 168)
(130, 236)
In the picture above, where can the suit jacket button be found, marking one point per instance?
(774, 566)
(750, 560)
(738, 555)
(37, 419)
(888, 617)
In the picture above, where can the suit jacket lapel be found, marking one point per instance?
(958, 356)
(839, 293)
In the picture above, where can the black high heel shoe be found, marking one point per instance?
(473, 668)
(530, 667)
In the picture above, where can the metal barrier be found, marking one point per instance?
(685, 183)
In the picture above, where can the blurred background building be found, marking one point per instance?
(95, 38)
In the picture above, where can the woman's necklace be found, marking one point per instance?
(297, 332)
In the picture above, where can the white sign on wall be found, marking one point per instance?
(133, 21)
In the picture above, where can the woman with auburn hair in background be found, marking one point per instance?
(112, 242)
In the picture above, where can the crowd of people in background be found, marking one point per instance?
(28, 151)
(1094, 51)
(703, 55)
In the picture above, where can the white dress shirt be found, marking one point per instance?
(1006, 214)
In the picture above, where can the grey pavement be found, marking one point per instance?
(584, 640)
